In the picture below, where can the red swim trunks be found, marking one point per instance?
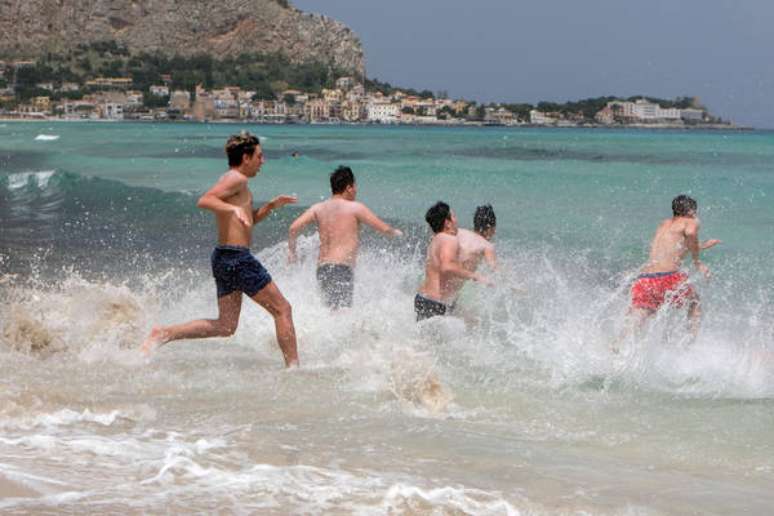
(650, 291)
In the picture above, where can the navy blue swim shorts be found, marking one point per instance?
(235, 268)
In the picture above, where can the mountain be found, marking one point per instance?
(29, 28)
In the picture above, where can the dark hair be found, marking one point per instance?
(437, 215)
(240, 144)
(484, 218)
(341, 178)
(682, 205)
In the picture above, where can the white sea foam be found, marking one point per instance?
(494, 374)
(22, 179)
(46, 137)
(68, 417)
(408, 499)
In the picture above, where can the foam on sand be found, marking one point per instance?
(414, 381)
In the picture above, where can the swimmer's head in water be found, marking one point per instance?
(683, 206)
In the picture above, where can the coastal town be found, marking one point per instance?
(347, 101)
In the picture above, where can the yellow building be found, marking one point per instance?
(41, 104)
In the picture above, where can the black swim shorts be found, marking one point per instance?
(337, 283)
(236, 269)
(426, 308)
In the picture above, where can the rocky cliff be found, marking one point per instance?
(217, 27)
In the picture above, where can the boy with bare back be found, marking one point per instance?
(444, 271)
(661, 281)
(477, 244)
(338, 220)
(235, 269)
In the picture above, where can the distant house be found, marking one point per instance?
(159, 91)
(352, 111)
(69, 87)
(111, 111)
(641, 110)
(499, 116)
(180, 100)
(41, 104)
(383, 112)
(540, 118)
(80, 109)
(345, 83)
(121, 83)
(692, 115)
(356, 93)
(134, 99)
(317, 110)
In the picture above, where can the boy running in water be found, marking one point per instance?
(235, 269)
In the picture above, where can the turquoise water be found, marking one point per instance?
(531, 413)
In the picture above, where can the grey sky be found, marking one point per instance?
(509, 50)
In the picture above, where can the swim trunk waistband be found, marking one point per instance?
(227, 247)
(656, 274)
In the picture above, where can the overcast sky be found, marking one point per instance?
(529, 50)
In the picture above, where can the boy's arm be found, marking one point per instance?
(368, 217)
(277, 202)
(300, 223)
(692, 243)
(447, 254)
(491, 257)
(227, 186)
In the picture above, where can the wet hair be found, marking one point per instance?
(341, 178)
(437, 215)
(682, 205)
(484, 218)
(240, 144)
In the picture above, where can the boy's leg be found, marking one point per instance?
(229, 307)
(694, 316)
(272, 300)
(635, 319)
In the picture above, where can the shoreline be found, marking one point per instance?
(706, 127)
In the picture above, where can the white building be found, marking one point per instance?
(383, 112)
(642, 110)
(692, 114)
(69, 86)
(134, 98)
(539, 118)
(180, 99)
(112, 111)
(159, 91)
(345, 83)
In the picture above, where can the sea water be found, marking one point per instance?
(514, 406)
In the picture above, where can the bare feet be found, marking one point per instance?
(154, 340)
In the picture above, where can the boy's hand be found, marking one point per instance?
(282, 200)
(710, 243)
(484, 280)
(240, 215)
